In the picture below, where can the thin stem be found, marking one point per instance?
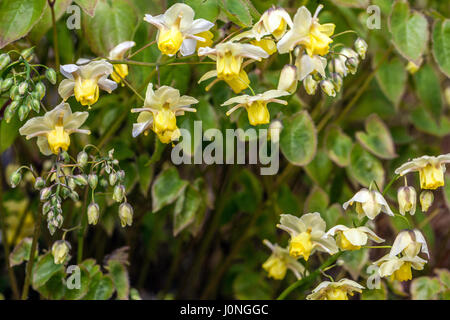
(144, 47)
(342, 33)
(51, 3)
(82, 230)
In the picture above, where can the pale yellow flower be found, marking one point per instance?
(407, 200)
(399, 268)
(338, 290)
(307, 65)
(288, 79)
(178, 30)
(409, 243)
(307, 235)
(369, 203)
(159, 112)
(256, 106)
(118, 53)
(431, 170)
(54, 128)
(60, 250)
(307, 31)
(352, 238)
(84, 80)
(279, 261)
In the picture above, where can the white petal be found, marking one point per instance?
(68, 70)
(421, 239)
(107, 85)
(188, 47)
(65, 88)
(199, 25)
(361, 196)
(118, 52)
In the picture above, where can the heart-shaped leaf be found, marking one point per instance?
(391, 77)
(409, 31)
(365, 168)
(298, 140)
(338, 145)
(88, 6)
(44, 269)
(167, 188)
(424, 121)
(186, 208)
(377, 139)
(320, 168)
(425, 288)
(17, 17)
(429, 90)
(441, 45)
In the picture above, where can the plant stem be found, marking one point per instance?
(82, 230)
(139, 50)
(51, 3)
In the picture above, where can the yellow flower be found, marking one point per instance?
(60, 250)
(409, 243)
(399, 268)
(118, 53)
(307, 31)
(426, 200)
(279, 261)
(159, 112)
(407, 200)
(256, 105)
(178, 30)
(237, 84)
(412, 68)
(307, 235)
(338, 290)
(353, 238)
(369, 203)
(208, 36)
(288, 79)
(267, 45)
(85, 79)
(54, 128)
(431, 170)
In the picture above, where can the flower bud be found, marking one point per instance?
(121, 175)
(103, 182)
(65, 156)
(426, 200)
(15, 178)
(6, 84)
(361, 47)
(80, 180)
(82, 158)
(65, 192)
(112, 179)
(46, 207)
(74, 196)
(126, 214)
(60, 250)
(27, 53)
(336, 79)
(352, 65)
(50, 74)
(412, 68)
(328, 87)
(71, 183)
(40, 90)
(39, 183)
(93, 212)
(407, 199)
(93, 180)
(23, 111)
(23, 86)
(5, 59)
(288, 79)
(11, 110)
(310, 85)
(35, 105)
(14, 93)
(119, 191)
(45, 194)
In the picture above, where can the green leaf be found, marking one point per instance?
(45, 23)
(251, 286)
(353, 3)
(365, 168)
(21, 252)
(338, 145)
(441, 45)
(429, 90)
(354, 261)
(391, 77)
(167, 188)
(425, 288)
(17, 17)
(287, 201)
(298, 139)
(332, 214)
(77, 294)
(145, 173)
(409, 31)
(206, 9)
(113, 22)
(238, 12)
(424, 121)
(375, 294)
(206, 114)
(100, 288)
(120, 278)
(55, 287)
(444, 277)
(44, 269)
(377, 139)
(186, 208)
(320, 168)
(88, 6)
(317, 200)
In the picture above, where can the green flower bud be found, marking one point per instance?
(426, 200)
(60, 250)
(361, 47)
(14, 93)
(310, 85)
(71, 183)
(93, 181)
(407, 199)
(74, 196)
(119, 191)
(23, 87)
(10, 110)
(39, 183)
(35, 105)
(120, 175)
(27, 53)
(352, 64)
(65, 192)
(328, 87)
(23, 112)
(80, 180)
(65, 157)
(82, 158)
(103, 182)
(5, 59)
(50, 74)
(93, 213)
(336, 79)
(40, 90)
(112, 179)
(6, 84)
(45, 194)
(46, 207)
(126, 214)
(15, 179)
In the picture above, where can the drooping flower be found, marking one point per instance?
(237, 84)
(407, 200)
(118, 53)
(307, 235)
(426, 200)
(338, 290)
(84, 80)
(53, 130)
(177, 29)
(279, 261)
(288, 79)
(307, 31)
(60, 250)
(159, 112)
(431, 170)
(208, 36)
(352, 238)
(307, 65)
(369, 203)
(410, 243)
(399, 268)
(256, 106)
